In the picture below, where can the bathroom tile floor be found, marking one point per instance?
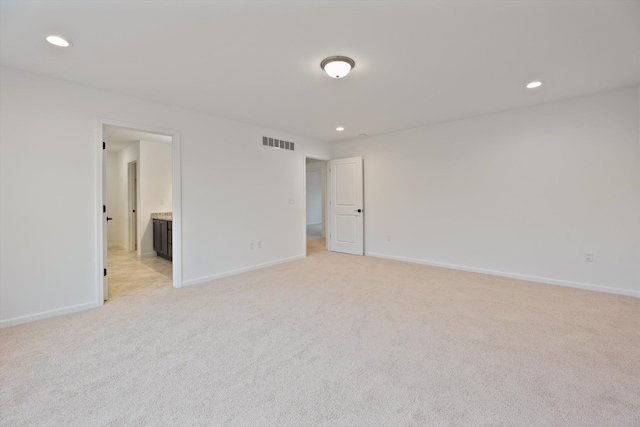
(129, 275)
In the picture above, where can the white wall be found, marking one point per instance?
(114, 201)
(314, 197)
(50, 128)
(523, 193)
(154, 190)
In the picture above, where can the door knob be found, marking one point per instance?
(109, 219)
(358, 210)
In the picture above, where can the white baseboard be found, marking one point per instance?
(116, 246)
(240, 270)
(546, 280)
(45, 314)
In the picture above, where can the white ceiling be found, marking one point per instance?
(118, 138)
(417, 63)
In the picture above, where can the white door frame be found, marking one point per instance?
(325, 219)
(176, 179)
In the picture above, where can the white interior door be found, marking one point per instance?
(105, 243)
(346, 206)
(133, 206)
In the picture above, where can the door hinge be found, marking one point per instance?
(104, 208)
(104, 145)
(105, 272)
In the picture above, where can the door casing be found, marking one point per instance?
(101, 197)
(328, 221)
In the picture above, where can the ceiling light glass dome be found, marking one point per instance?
(337, 66)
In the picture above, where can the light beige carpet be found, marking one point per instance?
(332, 340)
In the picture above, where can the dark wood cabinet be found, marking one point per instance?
(162, 242)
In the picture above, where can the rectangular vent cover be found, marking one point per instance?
(278, 143)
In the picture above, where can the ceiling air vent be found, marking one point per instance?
(278, 143)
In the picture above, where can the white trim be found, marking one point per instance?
(45, 314)
(546, 280)
(327, 205)
(176, 225)
(116, 246)
(241, 270)
(176, 143)
(100, 197)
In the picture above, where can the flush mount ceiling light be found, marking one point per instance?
(339, 128)
(337, 66)
(58, 41)
(534, 85)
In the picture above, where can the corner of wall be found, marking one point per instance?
(638, 169)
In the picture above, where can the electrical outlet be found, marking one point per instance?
(388, 237)
(259, 244)
(251, 246)
(588, 257)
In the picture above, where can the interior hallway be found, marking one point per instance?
(129, 275)
(315, 241)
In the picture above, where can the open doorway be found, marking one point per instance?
(316, 206)
(139, 198)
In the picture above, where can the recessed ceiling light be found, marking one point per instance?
(339, 128)
(58, 41)
(362, 135)
(534, 85)
(337, 66)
